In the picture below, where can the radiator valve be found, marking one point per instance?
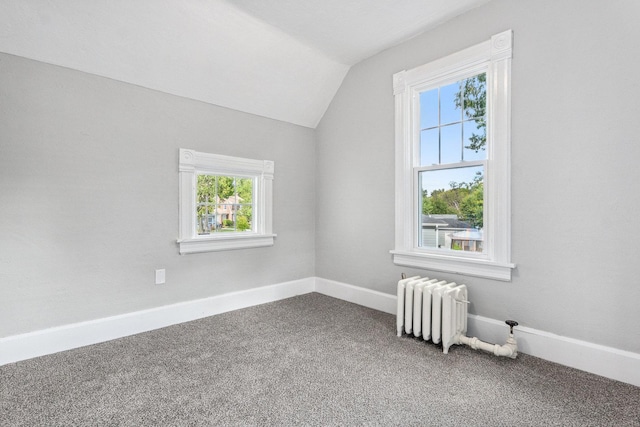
(511, 341)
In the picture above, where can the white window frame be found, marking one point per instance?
(493, 57)
(191, 164)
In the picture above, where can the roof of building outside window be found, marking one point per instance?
(444, 221)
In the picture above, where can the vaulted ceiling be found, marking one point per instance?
(282, 59)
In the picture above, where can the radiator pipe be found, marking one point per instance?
(510, 349)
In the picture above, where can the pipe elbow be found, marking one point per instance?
(504, 350)
(510, 349)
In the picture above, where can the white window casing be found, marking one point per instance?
(192, 163)
(494, 58)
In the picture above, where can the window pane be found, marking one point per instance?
(429, 147)
(451, 143)
(449, 112)
(245, 197)
(452, 208)
(429, 109)
(475, 96)
(226, 188)
(205, 200)
(245, 189)
(475, 140)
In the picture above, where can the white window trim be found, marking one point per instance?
(193, 162)
(494, 57)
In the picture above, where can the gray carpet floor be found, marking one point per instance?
(307, 360)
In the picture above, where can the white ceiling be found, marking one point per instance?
(282, 59)
(349, 31)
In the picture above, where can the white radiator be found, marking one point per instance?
(432, 309)
(437, 311)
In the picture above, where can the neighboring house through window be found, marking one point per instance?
(225, 202)
(453, 162)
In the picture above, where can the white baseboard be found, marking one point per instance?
(600, 360)
(357, 295)
(52, 340)
(605, 361)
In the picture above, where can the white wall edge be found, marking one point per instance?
(601, 360)
(47, 341)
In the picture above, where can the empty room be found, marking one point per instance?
(362, 212)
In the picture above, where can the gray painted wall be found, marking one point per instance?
(574, 154)
(88, 182)
(89, 197)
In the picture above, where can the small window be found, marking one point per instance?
(225, 202)
(453, 162)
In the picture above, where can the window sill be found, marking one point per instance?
(225, 243)
(448, 264)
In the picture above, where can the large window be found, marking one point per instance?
(453, 162)
(225, 202)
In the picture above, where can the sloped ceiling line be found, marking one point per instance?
(281, 59)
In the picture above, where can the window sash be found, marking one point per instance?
(414, 111)
(233, 207)
(417, 196)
